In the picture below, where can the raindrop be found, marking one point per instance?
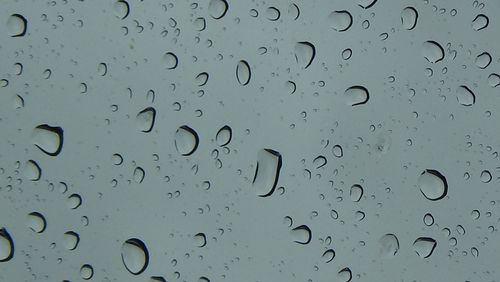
(170, 60)
(424, 246)
(304, 53)
(145, 119)
(36, 222)
(49, 139)
(16, 25)
(135, 256)
(465, 96)
(485, 176)
(432, 51)
(186, 140)
(389, 245)
(202, 78)
(344, 275)
(200, 24)
(139, 174)
(6, 246)
(217, 8)
(294, 11)
(117, 159)
(70, 240)
(74, 201)
(356, 192)
(200, 240)
(319, 162)
(267, 172)
(203, 279)
(243, 72)
(480, 22)
(122, 9)
(356, 95)
(346, 54)
(338, 151)
(365, 4)
(86, 271)
(272, 14)
(340, 20)
(224, 136)
(433, 185)
(32, 170)
(494, 80)
(157, 279)
(483, 60)
(328, 255)
(409, 17)
(301, 234)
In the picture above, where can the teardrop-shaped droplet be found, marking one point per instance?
(356, 95)
(145, 119)
(32, 170)
(135, 256)
(16, 25)
(49, 139)
(304, 53)
(409, 17)
(36, 222)
(389, 245)
(301, 234)
(483, 60)
(465, 96)
(480, 22)
(340, 20)
(224, 136)
(186, 140)
(432, 51)
(356, 192)
(6, 246)
(433, 185)
(217, 8)
(267, 172)
(424, 246)
(243, 72)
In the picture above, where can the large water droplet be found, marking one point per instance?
(328, 255)
(145, 119)
(170, 60)
(301, 234)
(267, 172)
(74, 201)
(243, 72)
(389, 245)
(480, 22)
(433, 185)
(424, 246)
(409, 17)
(356, 95)
(122, 9)
(200, 240)
(494, 80)
(6, 246)
(272, 13)
(304, 53)
(32, 170)
(224, 136)
(432, 51)
(202, 78)
(344, 275)
(139, 174)
(340, 20)
(465, 96)
(217, 8)
(70, 240)
(186, 140)
(135, 256)
(338, 151)
(49, 139)
(485, 176)
(86, 272)
(356, 192)
(36, 222)
(294, 11)
(483, 60)
(16, 25)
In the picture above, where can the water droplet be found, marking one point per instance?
(328, 255)
(494, 80)
(32, 170)
(365, 4)
(224, 136)
(475, 252)
(203, 279)
(6, 246)
(202, 79)
(139, 174)
(356, 192)
(170, 60)
(475, 214)
(389, 245)
(117, 159)
(356, 95)
(340, 20)
(344, 275)
(319, 162)
(74, 201)
(337, 151)
(294, 11)
(186, 140)
(122, 9)
(200, 240)
(145, 119)
(485, 176)
(157, 279)
(424, 246)
(433, 185)
(86, 272)
(272, 13)
(432, 51)
(409, 17)
(49, 139)
(243, 72)
(483, 60)
(301, 234)
(465, 96)
(70, 240)
(217, 8)
(36, 222)
(304, 53)
(428, 219)
(267, 172)
(135, 256)
(480, 22)
(16, 25)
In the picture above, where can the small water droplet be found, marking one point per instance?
(428, 219)
(86, 272)
(356, 192)
(49, 139)
(328, 255)
(319, 162)
(122, 9)
(200, 240)
(202, 78)
(483, 60)
(424, 246)
(272, 13)
(494, 80)
(139, 174)
(74, 201)
(224, 136)
(36, 222)
(301, 234)
(217, 8)
(186, 140)
(432, 51)
(485, 176)
(337, 151)
(267, 172)
(356, 95)
(465, 96)
(135, 256)
(344, 275)
(170, 60)
(145, 119)
(340, 20)
(480, 22)
(243, 72)
(32, 170)
(409, 17)
(433, 185)
(304, 53)
(70, 240)
(389, 245)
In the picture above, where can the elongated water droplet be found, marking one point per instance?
(145, 119)
(409, 17)
(304, 53)
(139, 174)
(6, 246)
(356, 95)
(267, 172)
(16, 25)
(356, 192)
(424, 246)
(301, 234)
(480, 22)
(32, 170)
(319, 162)
(49, 139)
(340, 20)
(70, 240)
(243, 72)
(428, 219)
(465, 96)
(135, 256)
(272, 13)
(328, 255)
(186, 140)
(433, 185)
(217, 8)
(202, 78)
(389, 245)
(338, 151)
(224, 136)
(432, 51)
(36, 222)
